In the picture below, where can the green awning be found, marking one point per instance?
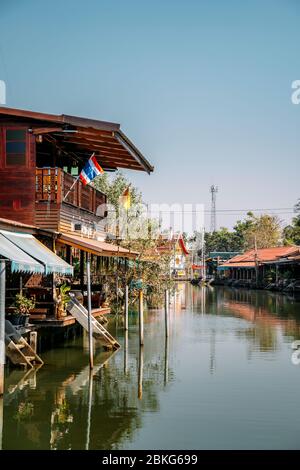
(20, 261)
(35, 249)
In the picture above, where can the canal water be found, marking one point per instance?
(224, 380)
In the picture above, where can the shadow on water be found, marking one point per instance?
(212, 373)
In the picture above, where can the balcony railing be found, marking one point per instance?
(55, 186)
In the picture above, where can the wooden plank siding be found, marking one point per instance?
(47, 215)
(17, 188)
(58, 208)
(40, 196)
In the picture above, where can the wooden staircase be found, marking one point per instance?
(18, 350)
(99, 332)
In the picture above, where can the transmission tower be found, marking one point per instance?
(213, 216)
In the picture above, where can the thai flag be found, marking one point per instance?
(91, 170)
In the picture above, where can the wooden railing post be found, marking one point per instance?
(60, 185)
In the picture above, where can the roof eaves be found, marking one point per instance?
(134, 152)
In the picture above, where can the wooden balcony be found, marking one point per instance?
(58, 204)
(53, 185)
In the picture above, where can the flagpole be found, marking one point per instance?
(76, 180)
(68, 192)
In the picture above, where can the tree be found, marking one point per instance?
(222, 240)
(240, 230)
(292, 232)
(115, 186)
(155, 271)
(263, 231)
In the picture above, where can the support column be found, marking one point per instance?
(167, 312)
(69, 254)
(89, 301)
(126, 308)
(141, 317)
(2, 325)
(33, 340)
(82, 253)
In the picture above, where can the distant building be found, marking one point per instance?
(173, 246)
(254, 264)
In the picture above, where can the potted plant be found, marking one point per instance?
(25, 411)
(62, 299)
(22, 306)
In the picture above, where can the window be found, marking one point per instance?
(15, 147)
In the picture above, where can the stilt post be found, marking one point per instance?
(140, 372)
(126, 308)
(89, 301)
(33, 340)
(167, 312)
(2, 325)
(141, 317)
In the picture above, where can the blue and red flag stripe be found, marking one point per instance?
(90, 170)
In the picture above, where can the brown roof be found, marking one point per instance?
(83, 136)
(248, 258)
(96, 247)
(14, 223)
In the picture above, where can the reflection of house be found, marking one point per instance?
(41, 156)
(255, 263)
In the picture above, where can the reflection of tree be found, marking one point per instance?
(268, 313)
(262, 337)
(62, 399)
(60, 420)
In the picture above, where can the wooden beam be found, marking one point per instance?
(45, 130)
(83, 143)
(75, 138)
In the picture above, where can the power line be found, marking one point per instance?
(231, 211)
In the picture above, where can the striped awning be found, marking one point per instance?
(20, 261)
(34, 249)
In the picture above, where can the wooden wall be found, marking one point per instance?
(17, 184)
(61, 217)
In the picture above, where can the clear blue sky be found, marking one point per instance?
(202, 87)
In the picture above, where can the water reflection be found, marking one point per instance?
(268, 314)
(125, 352)
(89, 416)
(199, 377)
(140, 372)
(1, 422)
(166, 375)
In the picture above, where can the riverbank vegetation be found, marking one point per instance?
(262, 231)
(150, 268)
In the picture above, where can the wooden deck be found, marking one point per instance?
(65, 321)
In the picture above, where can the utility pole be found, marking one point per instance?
(213, 216)
(203, 256)
(256, 260)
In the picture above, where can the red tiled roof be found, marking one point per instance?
(247, 264)
(247, 259)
